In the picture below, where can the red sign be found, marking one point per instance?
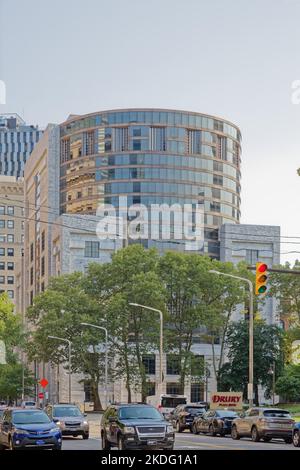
(41, 395)
(44, 383)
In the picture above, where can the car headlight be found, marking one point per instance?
(58, 423)
(21, 431)
(54, 430)
(129, 430)
(170, 428)
(85, 423)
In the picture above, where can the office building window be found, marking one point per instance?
(31, 252)
(2, 279)
(149, 363)
(2, 238)
(11, 294)
(31, 297)
(10, 224)
(2, 223)
(252, 256)
(10, 238)
(10, 210)
(42, 287)
(2, 251)
(10, 252)
(43, 266)
(2, 266)
(31, 276)
(2, 210)
(91, 250)
(173, 364)
(174, 388)
(197, 392)
(10, 266)
(10, 279)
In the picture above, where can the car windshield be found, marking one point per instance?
(227, 414)
(172, 402)
(139, 412)
(66, 411)
(277, 414)
(195, 410)
(30, 417)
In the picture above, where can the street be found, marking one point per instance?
(186, 441)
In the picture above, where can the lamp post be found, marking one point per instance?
(250, 285)
(70, 364)
(161, 378)
(272, 372)
(106, 357)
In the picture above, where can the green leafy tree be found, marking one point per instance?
(288, 385)
(286, 288)
(268, 340)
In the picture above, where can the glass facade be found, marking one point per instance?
(153, 156)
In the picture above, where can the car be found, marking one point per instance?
(214, 422)
(69, 419)
(135, 426)
(166, 403)
(264, 423)
(30, 404)
(22, 429)
(296, 434)
(183, 416)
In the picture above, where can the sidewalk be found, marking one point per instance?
(94, 419)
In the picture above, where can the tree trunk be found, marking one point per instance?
(127, 372)
(95, 392)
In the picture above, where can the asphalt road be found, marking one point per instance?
(186, 441)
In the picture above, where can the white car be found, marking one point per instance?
(28, 404)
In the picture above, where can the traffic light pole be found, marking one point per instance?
(251, 318)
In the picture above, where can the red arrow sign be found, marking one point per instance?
(44, 383)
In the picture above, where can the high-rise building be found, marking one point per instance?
(152, 156)
(11, 231)
(17, 140)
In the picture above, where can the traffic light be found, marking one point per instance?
(261, 278)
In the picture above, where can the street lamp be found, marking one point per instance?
(161, 338)
(250, 285)
(106, 350)
(70, 365)
(271, 371)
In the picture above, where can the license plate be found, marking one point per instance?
(40, 443)
(151, 443)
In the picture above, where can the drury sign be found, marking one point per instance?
(221, 400)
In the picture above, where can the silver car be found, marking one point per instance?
(69, 419)
(263, 423)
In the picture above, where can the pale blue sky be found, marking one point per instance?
(236, 59)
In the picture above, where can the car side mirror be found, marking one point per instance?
(111, 419)
(85, 415)
(242, 415)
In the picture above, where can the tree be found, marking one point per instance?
(130, 277)
(286, 288)
(268, 341)
(288, 385)
(59, 311)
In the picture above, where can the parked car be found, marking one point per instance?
(264, 423)
(296, 435)
(21, 429)
(183, 416)
(135, 426)
(166, 403)
(69, 419)
(30, 404)
(214, 422)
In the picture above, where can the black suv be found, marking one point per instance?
(135, 426)
(183, 416)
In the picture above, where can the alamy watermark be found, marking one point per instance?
(159, 222)
(2, 92)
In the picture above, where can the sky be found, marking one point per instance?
(236, 59)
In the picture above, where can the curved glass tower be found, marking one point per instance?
(153, 156)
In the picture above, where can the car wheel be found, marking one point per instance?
(289, 440)
(85, 435)
(178, 427)
(254, 435)
(234, 433)
(194, 429)
(105, 443)
(211, 430)
(121, 445)
(267, 439)
(296, 439)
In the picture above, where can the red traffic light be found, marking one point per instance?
(262, 268)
